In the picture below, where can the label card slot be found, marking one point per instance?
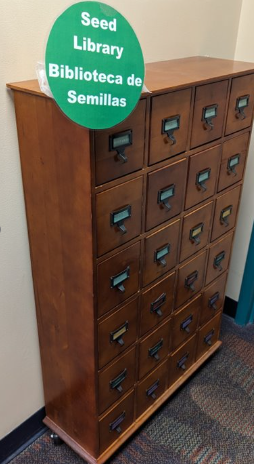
(159, 255)
(169, 125)
(116, 424)
(118, 217)
(157, 304)
(118, 279)
(153, 352)
(117, 335)
(151, 390)
(118, 142)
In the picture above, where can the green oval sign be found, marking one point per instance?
(94, 65)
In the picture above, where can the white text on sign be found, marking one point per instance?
(95, 22)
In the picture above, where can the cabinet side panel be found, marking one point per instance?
(55, 159)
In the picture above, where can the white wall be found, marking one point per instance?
(166, 29)
(244, 52)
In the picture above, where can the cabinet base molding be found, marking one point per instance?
(136, 425)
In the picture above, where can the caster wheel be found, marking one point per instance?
(56, 439)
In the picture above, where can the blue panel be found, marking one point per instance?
(245, 307)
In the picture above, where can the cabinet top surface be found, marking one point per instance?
(169, 75)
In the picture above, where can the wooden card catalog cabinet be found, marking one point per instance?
(131, 231)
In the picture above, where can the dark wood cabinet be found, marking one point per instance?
(130, 256)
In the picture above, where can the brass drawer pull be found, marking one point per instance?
(169, 125)
(208, 337)
(150, 392)
(153, 352)
(117, 335)
(195, 233)
(218, 259)
(224, 215)
(118, 142)
(185, 324)
(233, 161)
(118, 217)
(164, 195)
(190, 279)
(213, 300)
(116, 424)
(159, 255)
(118, 279)
(157, 304)
(116, 383)
(181, 364)
(241, 104)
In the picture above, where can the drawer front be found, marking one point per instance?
(234, 154)
(117, 332)
(202, 176)
(240, 104)
(226, 208)
(218, 258)
(165, 193)
(151, 388)
(157, 303)
(185, 322)
(169, 125)
(208, 335)
(116, 421)
(213, 299)
(196, 231)
(154, 349)
(118, 278)
(209, 113)
(118, 215)
(120, 150)
(160, 254)
(116, 380)
(181, 360)
(190, 279)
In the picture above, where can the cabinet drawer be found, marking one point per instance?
(218, 258)
(165, 193)
(226, 207)
(208, 335)
(234, 154)
(116, 421)
(169, 125)
(116, 380)
(240, 103)
(196, 231)
(157, 303)
(151, 388)
(154, 348)
(213, 299)
(160, 252)
(120, 150)
(181, 360)
(118, 278)
(185, 322)
(209, 113)
(117, 332)
(202, 178)
(118, 215)
(190, 279)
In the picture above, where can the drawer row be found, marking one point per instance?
(121, 152)
(119, 209)
(119, 277)
(149, 311)
(115, 385)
